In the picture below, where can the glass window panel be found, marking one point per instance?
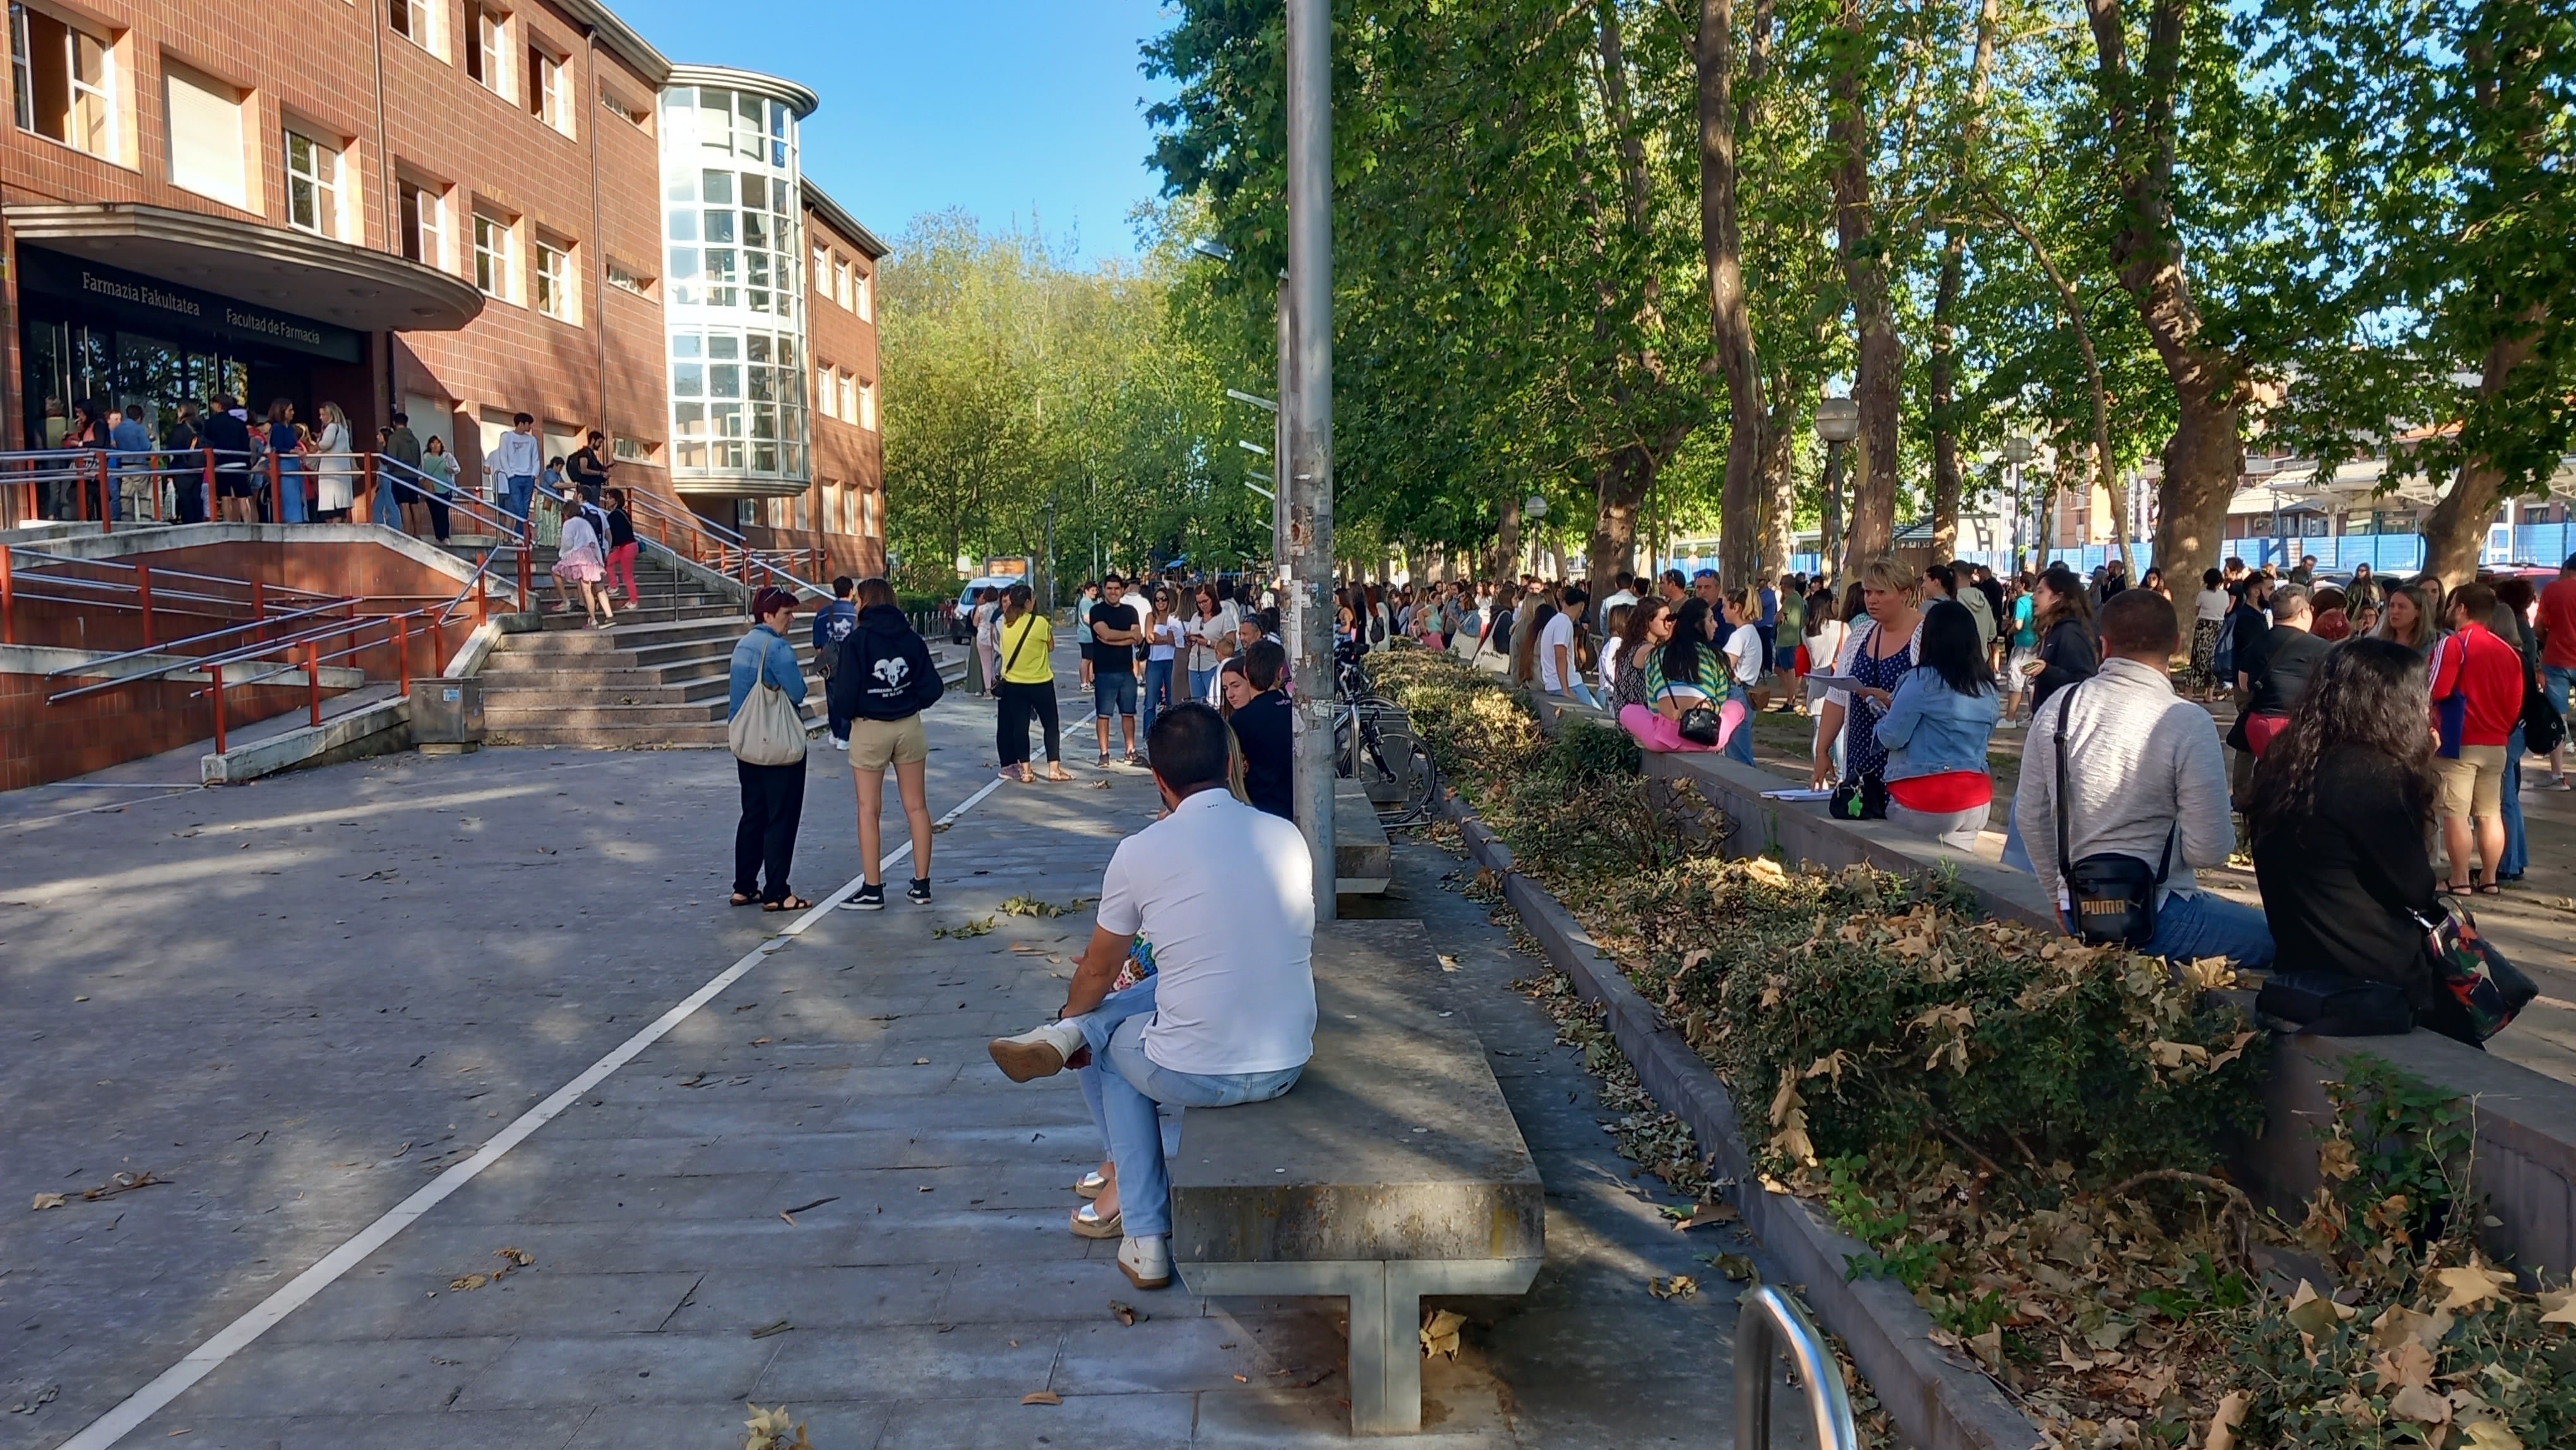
(681, 186)
(717, 187)
(786, 351)
(687, 344)
(755, 230)
(727, 419)
(755, 191)
(684, 264)
(761, 385)
(691, 455)
(726, 380)
(756, 346)
(684, 225)
(691, 419)
(720, 264)
(764, 458)
(688, 379)
(719, 226)
(724, 297)
(724, 347)
(764, 420)
(756, 268)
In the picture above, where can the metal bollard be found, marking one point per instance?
(1768, 1321)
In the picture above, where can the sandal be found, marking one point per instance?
(2489, 889)
(1058, 773)
(791, 903)
(1135, 759)
(1090, 1185)
(740, 899)
(1090, 1225)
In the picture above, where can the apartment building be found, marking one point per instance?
(460, 209)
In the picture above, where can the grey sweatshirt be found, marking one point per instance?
(2140, 762)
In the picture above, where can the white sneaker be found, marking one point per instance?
(1038, 1052)
(1147, 1262)
(840, 745)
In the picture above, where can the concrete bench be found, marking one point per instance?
(1363, 861)
(1392, 1170)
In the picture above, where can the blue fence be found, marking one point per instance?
(2545, 544)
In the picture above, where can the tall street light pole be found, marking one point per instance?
(1306, 414)
(2017, 453)
(1837, 423)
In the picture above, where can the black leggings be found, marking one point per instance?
(1019, 702)
(773, 803)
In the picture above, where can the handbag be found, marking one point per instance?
(2489, 989)
(2113, 894)
(766, 730)
(1698, 724)
(1861, 798)
(2543, 728)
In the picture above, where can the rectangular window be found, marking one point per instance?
(867, 308)
(624, 279)
(485, 45)
(492, 257)
(206, 151)
(415, 21)
(632, 450)
(850, 509)
(868, 406)
(823, 390)
(555, 283)
(424, 229)
(867, 513)
(847, 388)
(822, 279)
(546, 90)
(312, 185)
(841, 283)
(65, 82)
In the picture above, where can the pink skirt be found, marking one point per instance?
(1664, 737)
(582, 568)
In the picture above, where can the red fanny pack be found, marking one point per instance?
(2259, 730)
(1951, 790)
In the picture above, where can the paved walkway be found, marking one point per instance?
(298, 1001)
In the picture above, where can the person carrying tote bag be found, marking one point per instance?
(767, 734)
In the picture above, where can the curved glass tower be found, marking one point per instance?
(734, 307)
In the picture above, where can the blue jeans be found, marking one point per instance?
(2016, 855)
(1581, 694)
(2517, 852)
(2194, 924)
(1739, 746)
(1158, 689)
(1199, 682)
(1123, 1087)
(517, 490)
(2555, 681)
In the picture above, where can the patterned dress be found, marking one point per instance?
(1862, 754)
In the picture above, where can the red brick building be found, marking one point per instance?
(446, 207)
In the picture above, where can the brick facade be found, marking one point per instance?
(842, 515)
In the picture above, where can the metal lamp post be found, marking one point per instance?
(2017, 453)
(1306, 425)
(1837, 423)
(1534, 509)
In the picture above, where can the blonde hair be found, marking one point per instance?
(1887, 576)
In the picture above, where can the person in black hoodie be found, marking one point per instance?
(1265, 727)
(881, 683)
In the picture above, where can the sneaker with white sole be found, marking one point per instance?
(1147, 1262)
(840, 744)
(918, 893)
(1038, 1052)
(871, 897)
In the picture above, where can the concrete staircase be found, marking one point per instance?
(657, 679)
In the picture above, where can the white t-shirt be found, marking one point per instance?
(2210, 604)
(1203, 633)
(1226, 894)
(1617, 598)
(1744, 654)
(1559, 632)
(1610, 663)
(1168, 638)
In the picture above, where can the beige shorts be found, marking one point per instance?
(2473, 785)
(876, 744)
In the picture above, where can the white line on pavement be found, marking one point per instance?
(114, 1425)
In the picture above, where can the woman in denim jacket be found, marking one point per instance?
(1936, 727)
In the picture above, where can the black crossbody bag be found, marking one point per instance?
(2114, 894)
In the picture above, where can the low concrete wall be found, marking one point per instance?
(2525, 1160)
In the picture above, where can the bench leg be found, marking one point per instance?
(1386, 1351)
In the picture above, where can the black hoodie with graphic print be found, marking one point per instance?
(885, 671)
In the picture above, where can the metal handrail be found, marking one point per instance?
(1768, 1320)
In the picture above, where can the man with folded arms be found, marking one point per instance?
(1226, 895)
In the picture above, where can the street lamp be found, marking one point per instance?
(1213, 250)
(1837, 423)
(2017, 453)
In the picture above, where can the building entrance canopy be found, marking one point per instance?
(258, 270)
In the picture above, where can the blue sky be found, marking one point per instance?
(1002, 107)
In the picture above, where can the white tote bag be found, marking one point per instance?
(767, 730)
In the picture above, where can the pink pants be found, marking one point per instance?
(1663, 736)
(621, 565)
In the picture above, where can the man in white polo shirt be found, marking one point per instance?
(1226, 895)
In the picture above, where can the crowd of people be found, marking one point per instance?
(2127, 781)
(223, 462)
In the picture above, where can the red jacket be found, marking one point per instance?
(2489, 672)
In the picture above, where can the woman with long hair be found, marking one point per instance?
(333, 491)
(1743, 651)
(1525, 646)
(1163, 643)
(2412, 615)
(1023, 639)
(2208, 612)
(1648, 625)
(285, 442)
(2338, 814)
(1687, 673)
(1211, 640)
(1935, 731)
(1614, 623)
(2062, 613)
(438, 472)
(623, 546)
(581, 557)
(1880, 651)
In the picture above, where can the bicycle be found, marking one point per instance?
(1374, 743)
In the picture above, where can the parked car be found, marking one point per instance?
(961, 628)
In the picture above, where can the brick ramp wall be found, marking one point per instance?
(41, 743)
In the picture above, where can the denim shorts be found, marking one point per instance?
(1113, 693)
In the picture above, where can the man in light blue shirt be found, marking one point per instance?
(127, 435)
(514, 464)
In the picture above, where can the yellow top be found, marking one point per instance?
(1024, 650)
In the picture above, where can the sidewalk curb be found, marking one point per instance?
(1937, 1402)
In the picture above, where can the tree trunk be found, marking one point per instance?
(1944, 369)
(1881, 364)
(2455, 532)
(2206, 455)
(1730, 321)
(1790, 400)
(1506, 560)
